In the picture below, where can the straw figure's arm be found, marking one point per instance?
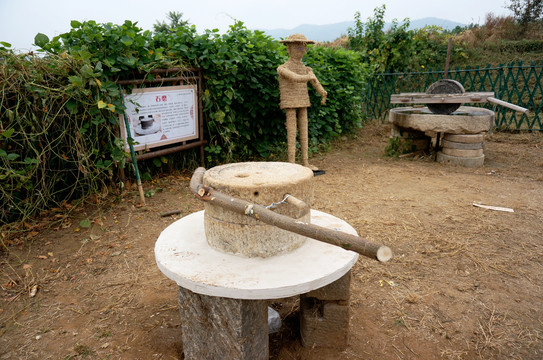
(317, 85)
(292, 76)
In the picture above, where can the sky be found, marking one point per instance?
(21, 20)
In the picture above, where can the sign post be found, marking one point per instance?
(132, 153)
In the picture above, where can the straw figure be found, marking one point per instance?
(293, 79)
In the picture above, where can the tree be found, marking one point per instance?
(526, 11)
(175, 20)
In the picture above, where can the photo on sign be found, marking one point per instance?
(160, 116)
(147, 125)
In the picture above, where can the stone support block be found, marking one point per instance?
(337, 291)
(324, 324)
(398, 131)
(471, 162)
(410, 140)
(462, 153)
(324, 315)
(462, 146)
(223, 328)
(465, 138)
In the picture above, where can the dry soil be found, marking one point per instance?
(464, 282)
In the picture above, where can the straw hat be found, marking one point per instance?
(297, 38)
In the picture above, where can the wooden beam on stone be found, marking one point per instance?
(423, 98)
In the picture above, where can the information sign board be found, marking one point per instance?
(159, 116)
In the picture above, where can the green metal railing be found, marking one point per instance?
(515, 83)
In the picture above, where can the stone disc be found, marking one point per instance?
(462, 152)
(465, 138)
(463, 146)
(445, 86)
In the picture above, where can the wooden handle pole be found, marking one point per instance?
(448, 59)
(259, 212)
(508, 105)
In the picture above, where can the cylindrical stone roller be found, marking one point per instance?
(262, 183)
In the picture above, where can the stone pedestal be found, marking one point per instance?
(324, 315)
(222, 295)
(465, 150)
(222, 328)
(410, 140)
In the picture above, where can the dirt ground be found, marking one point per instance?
(464, 283)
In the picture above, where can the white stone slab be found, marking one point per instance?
(183, 255)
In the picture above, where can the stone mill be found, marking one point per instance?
(462, 128)
(258, 239)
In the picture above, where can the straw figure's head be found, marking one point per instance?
(296, 45)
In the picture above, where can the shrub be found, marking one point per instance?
(397, 49)
(343, 75)
(57, 141)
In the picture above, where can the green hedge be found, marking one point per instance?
(59, 111)
(56, 144)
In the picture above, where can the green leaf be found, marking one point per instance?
(87, 71)
(146, 176)
(6, 44)
(75, 24)
(76, 80)
(72, 107)
(30, 161)
(12, 156)
(85, 223)
(101, 104)
(7, 134)
(98, 68)
(84, 54)
(127, 40)
(41, 40)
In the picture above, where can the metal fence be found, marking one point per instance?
(515, 83)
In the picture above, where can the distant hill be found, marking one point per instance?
(331, 32)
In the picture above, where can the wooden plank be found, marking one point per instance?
(423, 98)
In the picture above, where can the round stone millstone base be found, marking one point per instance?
(465, 138)
(477, 161)
(262, 183)
(462, 149)
(462, 146)
(462, 152)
